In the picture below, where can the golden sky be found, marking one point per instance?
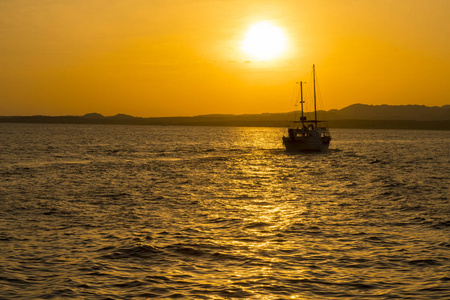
(153, 58)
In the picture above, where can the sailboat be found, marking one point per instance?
(307, 135)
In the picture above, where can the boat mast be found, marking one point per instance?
(315, 108)
(301, 101)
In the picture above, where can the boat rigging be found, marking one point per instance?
(310, 137)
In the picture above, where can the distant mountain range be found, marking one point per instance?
(391, 112)
(353, 116)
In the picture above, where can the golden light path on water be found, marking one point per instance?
(265, 209)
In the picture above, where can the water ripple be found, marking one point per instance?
(120, 212)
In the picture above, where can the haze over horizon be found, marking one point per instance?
(179, 58)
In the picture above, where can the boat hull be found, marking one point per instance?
(309, 144)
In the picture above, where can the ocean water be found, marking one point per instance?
(139, 212)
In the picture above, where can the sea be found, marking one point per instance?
(178, 212)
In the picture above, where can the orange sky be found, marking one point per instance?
(183, 58)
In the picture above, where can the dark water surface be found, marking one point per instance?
(121, 212)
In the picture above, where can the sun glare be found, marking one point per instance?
(264, 41)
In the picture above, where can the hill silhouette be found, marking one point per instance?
(93, 115)
(353, 116)
(391, 112)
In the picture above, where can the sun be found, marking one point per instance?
(264, 41)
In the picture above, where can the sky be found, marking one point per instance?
(154, 58)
